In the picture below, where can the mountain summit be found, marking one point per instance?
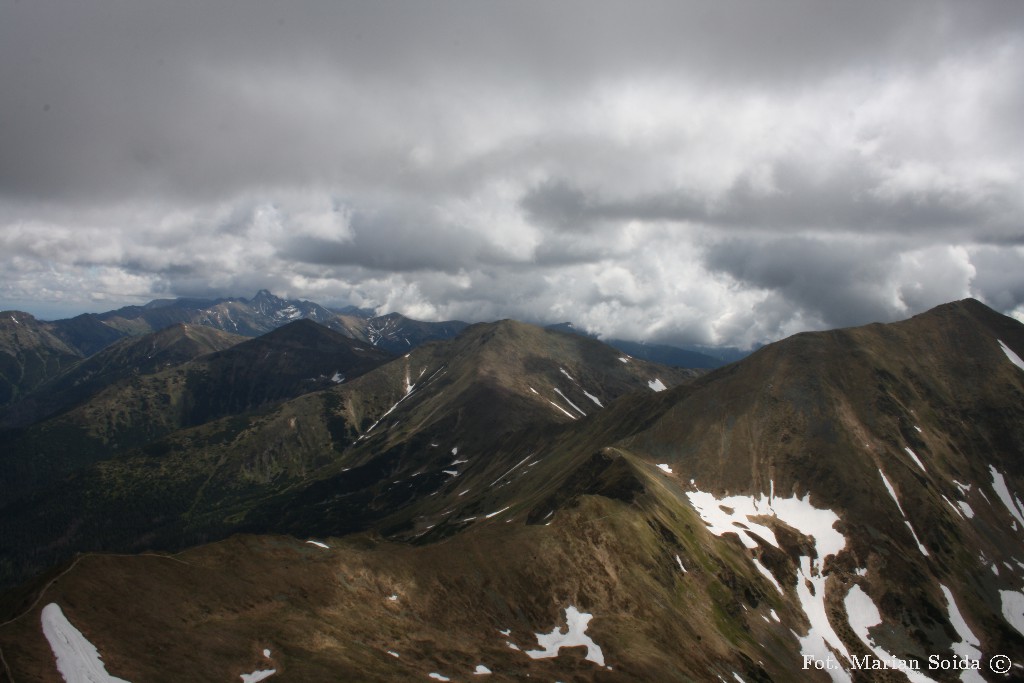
(840, 505)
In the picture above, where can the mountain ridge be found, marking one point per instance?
(126, 357)
(374, 423)
(835, 496)
(89, 333)
(29, 355)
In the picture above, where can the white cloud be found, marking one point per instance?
(675, 172)
(928, 277)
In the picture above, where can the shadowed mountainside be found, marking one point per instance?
(850, 495)
(126, 358)
(29, 355)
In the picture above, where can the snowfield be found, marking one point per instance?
(78, 660)
(575, 636)
(863, 614)
(736, 514)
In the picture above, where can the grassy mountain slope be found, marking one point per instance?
(247, 317)
(336, 451)
(29, 355)
(133, 412)
(338, 613)
(931, 407)
(86, 333)
(847, 494)
(398, 334)
(127, 358)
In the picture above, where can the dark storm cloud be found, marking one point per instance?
(146, 97)
(852, 197)
(837, 281)
(845, 281)
(722, 171)
(558, 204)
(998, 279)
(392, 241)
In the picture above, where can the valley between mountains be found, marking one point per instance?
(263, 490)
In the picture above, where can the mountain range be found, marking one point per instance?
(512, 502)
(34, 351)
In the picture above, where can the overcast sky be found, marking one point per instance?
(714, 172)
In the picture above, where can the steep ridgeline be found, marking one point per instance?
(126, 358)
(247, 317)
(264, 312)
(395, 333)
(873, 479)
(136, 479)
(130, 408)
(834, 503)
(29, 355)
(86, 334)
(436, 427)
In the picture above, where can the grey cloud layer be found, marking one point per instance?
(709, 171)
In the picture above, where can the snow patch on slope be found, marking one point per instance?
(1014, 358)
(656, 385)
(768, 575)
(563, 410)
(862, 615)
(257, 676)
(1011, 503)
(810, 589)
(557, 391)
(575, 635)
(1013, 609)
(733, 514)
(408, 392)
(952, 507)
(715, 513)
(892, 492)
(914, 457)
(78, 660)
(969, 643)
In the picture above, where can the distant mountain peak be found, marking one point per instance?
(265, 295)
(840, 493)
(266, 301)
(16, 316)
(265, 311)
